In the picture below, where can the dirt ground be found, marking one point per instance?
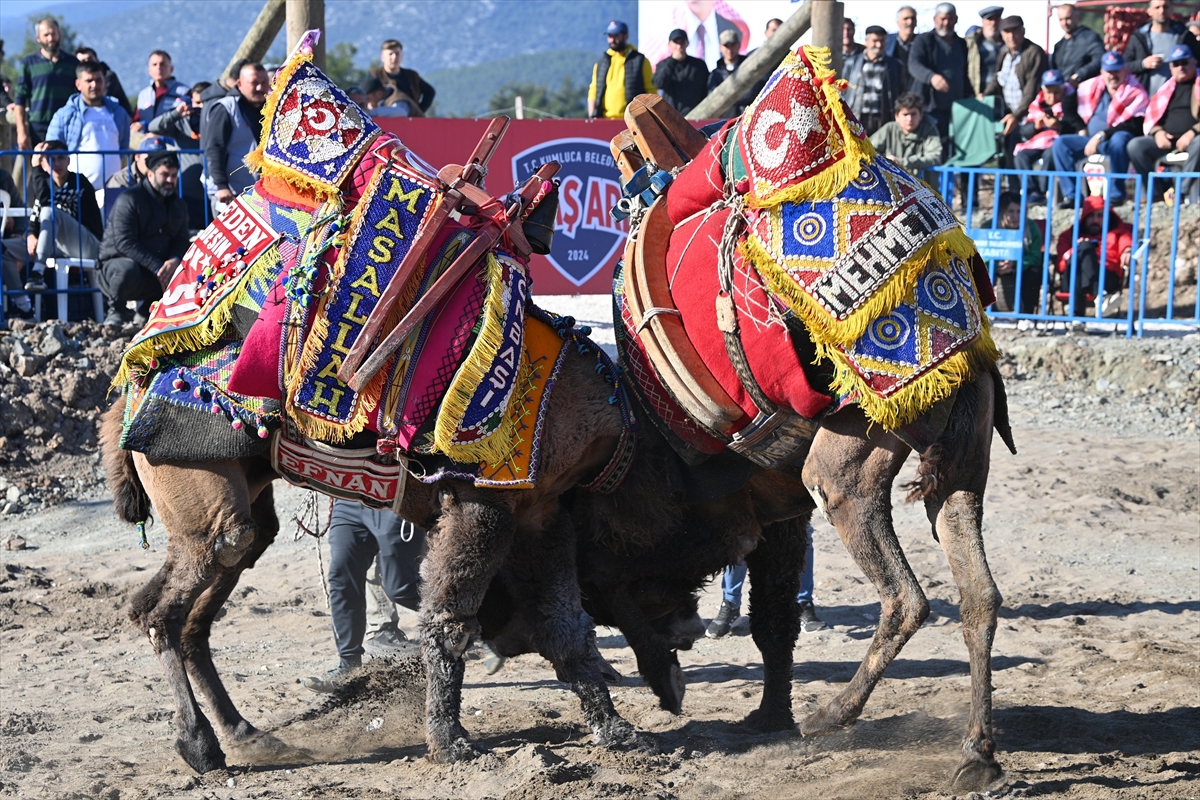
(1093, 538)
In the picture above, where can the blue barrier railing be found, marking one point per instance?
(1065, 293)
(25, 202)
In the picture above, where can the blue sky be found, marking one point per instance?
(81, 10)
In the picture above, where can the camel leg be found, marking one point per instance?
(657, 663)
(955, 507)
(849, 473)
(542, 578)
(775, 567)
(471, 540)
(197, 654)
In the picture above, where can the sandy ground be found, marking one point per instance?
(1092, 535)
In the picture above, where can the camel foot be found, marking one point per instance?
(617, 734)
(673, 690)
(823, 721)
(768, 721)
(202, 753)
(975, 773)
(456, 750)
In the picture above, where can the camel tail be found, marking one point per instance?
(1000, 413)
(130, 500)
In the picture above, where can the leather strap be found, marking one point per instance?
(614, 472)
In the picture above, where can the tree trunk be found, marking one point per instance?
(756, 66)
(827, 19)
(305, 15)
(258, 38)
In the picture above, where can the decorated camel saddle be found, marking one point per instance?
(359, 314)
(780, 269)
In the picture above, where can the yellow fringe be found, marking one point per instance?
(314, 426)
(831, 181)
(899, 287)
(496, 446)
(917, 397)
(137, 357)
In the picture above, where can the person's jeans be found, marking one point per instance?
(1144, 155)
(735, 576)
(63, 236)
(14, 255)
(1068, 149)
(356, 535)
(1027, 159)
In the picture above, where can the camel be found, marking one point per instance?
(219, 518)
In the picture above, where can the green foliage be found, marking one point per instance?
(70, 39)
(467, 91)
(339, 65)
(568, 101)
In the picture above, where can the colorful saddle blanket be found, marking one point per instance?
(271, 297)
(867, 258)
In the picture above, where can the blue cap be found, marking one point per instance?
(1181, 52)
(616, 27)
(1052, 77)
(991, 11)
(154, 144)
(1112, 61)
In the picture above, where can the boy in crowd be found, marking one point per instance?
(910, 139)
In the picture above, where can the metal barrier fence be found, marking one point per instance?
(21, 207)
(1145, 297)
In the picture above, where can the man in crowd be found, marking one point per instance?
(1111, 107)
(937, 63)
(146, 236)
(45, 83)
(898, 44)
(232, 126)
(163, 93)
(849, 46)
(64, 220)
(1017, 81)
(357, 535)
(1005, 282)
(1055, 110)
(112, 83)
(731, 59)
(683, 79)
(910, 140)
(182, 125)
(1118, 253)
(874, 81)
(133, 174)
(13, 255)
(394, 87)
(1076, 55)
(985, 48)
(92, 121)
(1172, 122)
(1150, 44)
(620, 75)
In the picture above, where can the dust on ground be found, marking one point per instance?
(1092, 537)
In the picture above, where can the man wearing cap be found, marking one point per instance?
(1076, 55)
(984, 49)
(1055, 110)
(146, 236)
(731, 59)
(92, 121)
(875, 81)
(1111, 108)
(1150, 44)
(682, 79)
(620, 75)
(937, 63)
(1017, 80)
(1172, 122)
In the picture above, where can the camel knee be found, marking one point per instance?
(450, 633)
(233, 543)
(980, 607)
(906, 612)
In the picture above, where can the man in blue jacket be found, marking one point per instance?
(92, 121)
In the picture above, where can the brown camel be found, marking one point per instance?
(219, 518)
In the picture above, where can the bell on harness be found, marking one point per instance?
(538, 227)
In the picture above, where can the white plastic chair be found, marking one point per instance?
(89, 275)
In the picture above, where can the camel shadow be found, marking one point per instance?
(1095, 608)
(1067, 730)
(842, 671)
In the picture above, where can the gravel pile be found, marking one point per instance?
(54, 383)
(1143, 388)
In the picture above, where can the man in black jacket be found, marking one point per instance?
(403, 91)
(937, 63)
(683, 79)
(1077, 55)
(1150, 44)
(875, 81)
(146, 237)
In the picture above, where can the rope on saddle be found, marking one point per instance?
(653, 312)
(727, 307)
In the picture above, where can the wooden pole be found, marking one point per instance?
(258, 39)
(754, 68)
(304, 15)
(827, 19)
